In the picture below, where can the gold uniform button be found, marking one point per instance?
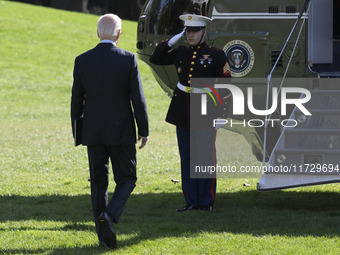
(189, 82)
(198, 47)
(190, 75)
(191, 69)
(192, 62)
(193, 56)
(195, 52)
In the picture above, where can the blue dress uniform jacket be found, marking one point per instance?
(200, 61)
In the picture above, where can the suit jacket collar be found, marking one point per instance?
(105, 45)
(108, 41)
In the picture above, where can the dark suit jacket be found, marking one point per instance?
(106, 86)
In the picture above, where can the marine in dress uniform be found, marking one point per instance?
(196, 61)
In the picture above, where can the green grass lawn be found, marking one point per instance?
(45, 205)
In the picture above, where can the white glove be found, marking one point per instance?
(175, 38)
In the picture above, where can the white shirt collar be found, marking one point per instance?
(108, 41)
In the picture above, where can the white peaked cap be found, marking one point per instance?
(193, 20)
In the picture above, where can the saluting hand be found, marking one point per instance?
(175, 38)
(144, 141)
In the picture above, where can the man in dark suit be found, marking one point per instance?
(106, 86)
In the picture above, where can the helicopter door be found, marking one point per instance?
(320, 32)
(336, 18)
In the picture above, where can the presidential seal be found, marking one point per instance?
(240, 56)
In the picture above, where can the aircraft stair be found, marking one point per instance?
(309, 153)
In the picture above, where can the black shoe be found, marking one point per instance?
(187, 208)
(107, 231)
(207, 208)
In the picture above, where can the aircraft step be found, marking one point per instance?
(324, 99)
(309, 153)
(309, 160)
(320, 119)
(277, 181)
(305, 151)
(329, 75)
(305, 138)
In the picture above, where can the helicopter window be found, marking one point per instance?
(273, 9)
(147, 7)
(240, 6)
(290, 9)
(163, 14)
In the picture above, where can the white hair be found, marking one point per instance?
(109, 26)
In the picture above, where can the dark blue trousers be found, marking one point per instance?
(123, 160)
(197, 191)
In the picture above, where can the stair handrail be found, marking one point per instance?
(269, 85)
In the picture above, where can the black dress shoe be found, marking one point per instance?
(187, 208)
(207, 208)
(107, 231)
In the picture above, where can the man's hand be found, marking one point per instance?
(144, 141)
(175, 38)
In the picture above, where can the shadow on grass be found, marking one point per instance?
(152, 216)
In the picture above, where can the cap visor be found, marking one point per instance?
(193, 29)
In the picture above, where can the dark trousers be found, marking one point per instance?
(197, 191)
(123, 160)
